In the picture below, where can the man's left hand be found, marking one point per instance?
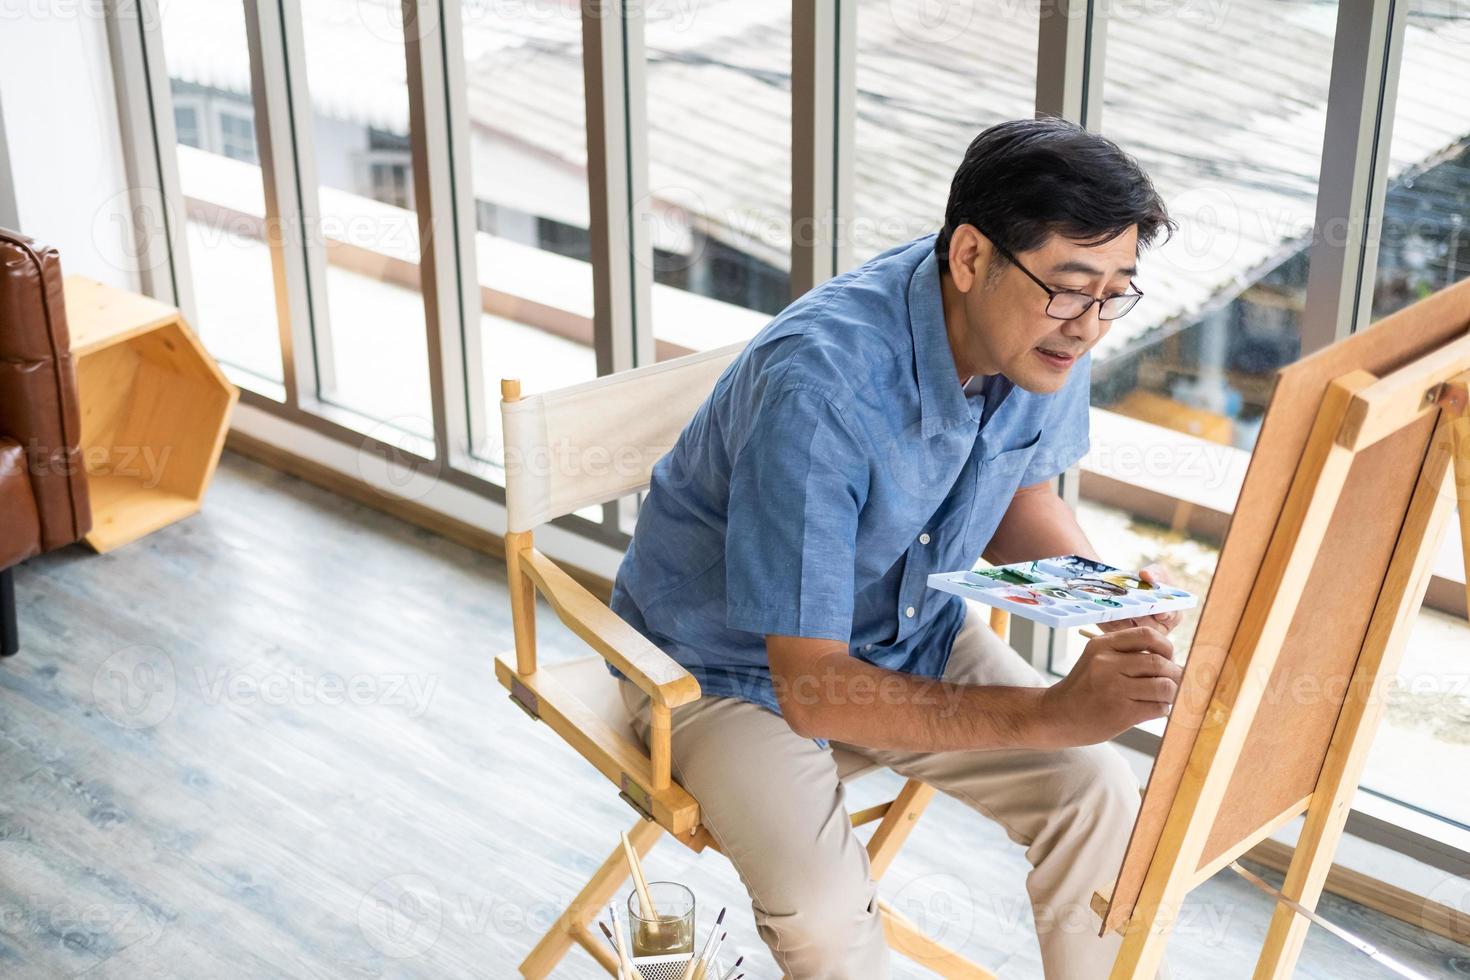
(1163, 622)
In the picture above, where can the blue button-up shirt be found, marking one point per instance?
(837, 463)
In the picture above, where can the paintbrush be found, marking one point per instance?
(696, 962)
(709, 960)
(730, 973)
(625, 968)
(617, 947)
(645, 900)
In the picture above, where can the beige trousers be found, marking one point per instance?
(772, 801)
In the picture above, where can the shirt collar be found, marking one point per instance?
(942, 400)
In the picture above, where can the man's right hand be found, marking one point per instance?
(1122, 678)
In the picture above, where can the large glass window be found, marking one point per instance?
(1233, 142)
(372, 358)
(930, 77)
(528, 160)
(1424, 247)
(224, 201)
(719, 144)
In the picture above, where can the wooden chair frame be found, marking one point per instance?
(643, 777)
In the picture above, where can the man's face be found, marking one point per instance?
(1007, 329)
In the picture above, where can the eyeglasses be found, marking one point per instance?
(1066, 304)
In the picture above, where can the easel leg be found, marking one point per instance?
(1304, 880)
(1367, 694)
(1456, 401)
(573, 923)
(1147, 932)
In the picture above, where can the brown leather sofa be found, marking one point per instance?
(43, 486)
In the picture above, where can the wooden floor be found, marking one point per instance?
(267, 742)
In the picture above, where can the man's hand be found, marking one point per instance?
(1163, 622)
(1123, 678)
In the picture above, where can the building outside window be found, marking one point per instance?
(186, 125)
(237, 136)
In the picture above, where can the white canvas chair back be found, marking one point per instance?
(594, 442)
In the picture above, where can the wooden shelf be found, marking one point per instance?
(155, 408)
(125, 508)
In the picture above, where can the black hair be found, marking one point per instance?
(1023, 181)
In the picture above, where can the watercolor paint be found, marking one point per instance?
(1068, 590)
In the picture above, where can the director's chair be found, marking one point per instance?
(595, 443)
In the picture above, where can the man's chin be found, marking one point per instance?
(1038, 383)
(1041, 374)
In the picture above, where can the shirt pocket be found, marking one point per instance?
(996, 481)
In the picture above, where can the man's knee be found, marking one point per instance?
(1097, 787)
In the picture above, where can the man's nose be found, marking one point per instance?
(1086, 329)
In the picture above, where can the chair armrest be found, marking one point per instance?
(656, 673)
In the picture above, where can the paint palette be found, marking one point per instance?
(1064, 591)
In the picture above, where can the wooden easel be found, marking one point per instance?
(1358, 412)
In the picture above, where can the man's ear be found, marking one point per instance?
(969, 256)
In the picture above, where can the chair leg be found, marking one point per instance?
(573, 924)
(897, 824)
(904, 936)
(908, 939)
(9, 632)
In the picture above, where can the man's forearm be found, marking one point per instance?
(1038, 524)
(840, 697)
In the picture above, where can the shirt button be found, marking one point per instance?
(909, 612)
(924, 538)
(868, 647)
